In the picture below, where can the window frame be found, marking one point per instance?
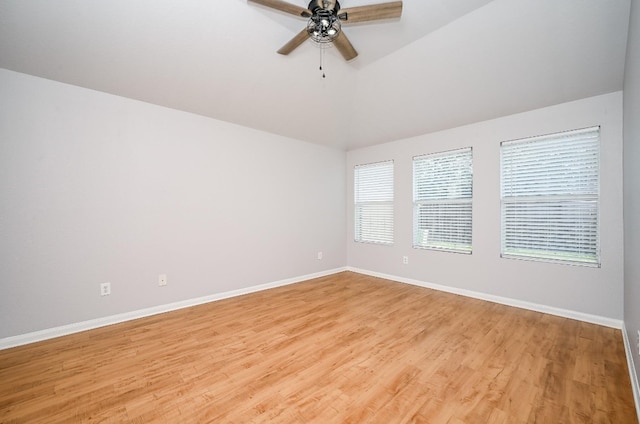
(450, 208)
(380, 204)
(561, 205)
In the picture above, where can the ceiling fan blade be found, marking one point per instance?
(344, 46)
(300, 38)
(283, 6)
(371, 12)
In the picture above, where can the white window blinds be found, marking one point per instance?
(550, 197)
(373, 189)
(442, 201)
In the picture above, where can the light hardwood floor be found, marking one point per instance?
(346, 348)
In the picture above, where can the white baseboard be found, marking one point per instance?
(64, 330)
(580, 316)
(632, 369)
(127, 316)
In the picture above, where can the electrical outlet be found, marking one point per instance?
(162, 280)
(405, 260)
(105, 289)
(319, 255)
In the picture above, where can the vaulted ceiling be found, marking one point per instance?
(445, 63)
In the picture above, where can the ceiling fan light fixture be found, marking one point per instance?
(323, 27)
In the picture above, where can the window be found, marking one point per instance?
(442, 201)
(550, 197)
(373, 189)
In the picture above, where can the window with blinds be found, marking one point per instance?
(373, 189)
(442, 201)
(550, 197)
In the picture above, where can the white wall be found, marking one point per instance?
(632, 184)
(96, 188)
(594, 291)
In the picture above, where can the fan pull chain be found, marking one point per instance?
(322, 61)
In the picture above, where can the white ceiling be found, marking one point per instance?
(445, 63)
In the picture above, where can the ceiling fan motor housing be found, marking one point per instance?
(332, 6)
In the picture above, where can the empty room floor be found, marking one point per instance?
(346, 348)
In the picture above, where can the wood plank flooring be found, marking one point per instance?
(346, 348)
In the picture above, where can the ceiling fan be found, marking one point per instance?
(325, 20)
